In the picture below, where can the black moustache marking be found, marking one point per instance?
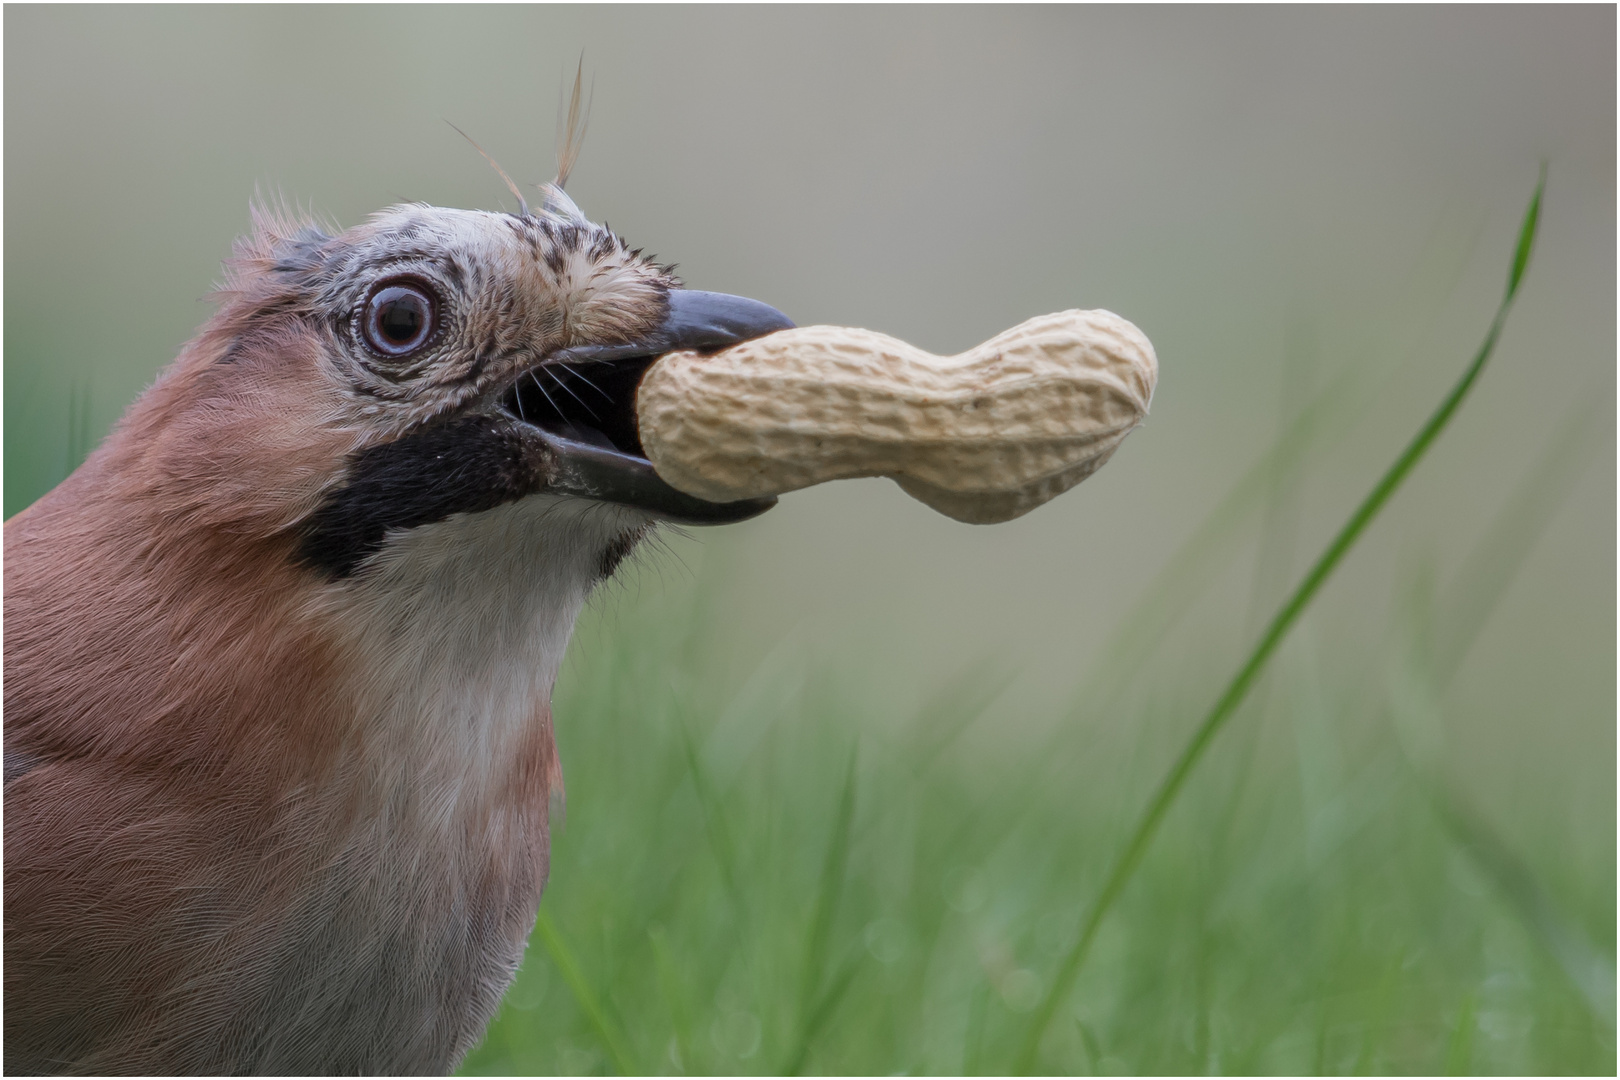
(619, 549)
(463, 467)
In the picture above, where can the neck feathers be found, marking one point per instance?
(304, 797)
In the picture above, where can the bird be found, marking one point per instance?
(279, 751)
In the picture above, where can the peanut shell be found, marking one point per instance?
(984, 436)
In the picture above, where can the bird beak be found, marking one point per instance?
(597, 450)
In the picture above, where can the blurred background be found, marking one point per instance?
(843, 779)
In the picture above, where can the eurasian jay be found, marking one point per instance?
(279, 655)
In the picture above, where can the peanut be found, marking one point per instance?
(984, 436)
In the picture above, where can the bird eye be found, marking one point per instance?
(399, 318)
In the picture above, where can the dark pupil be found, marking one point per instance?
(401, 318)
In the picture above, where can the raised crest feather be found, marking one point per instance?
(523, 204)
(571, 130)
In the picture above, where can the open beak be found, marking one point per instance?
(583, 403)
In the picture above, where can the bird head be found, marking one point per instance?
(431, 362)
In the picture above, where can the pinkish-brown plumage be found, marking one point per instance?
(279, 658)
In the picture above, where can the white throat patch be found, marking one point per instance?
(461, 627)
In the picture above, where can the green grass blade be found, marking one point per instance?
(674, 994)
(568, 967)
(1236, 690)
(1527, 238)
(959, 704)
(820, 1014)
(833, 872)
(713, 821)
(973, 1038)
(1460, 1052)
(1588, 970)
(1487, 571)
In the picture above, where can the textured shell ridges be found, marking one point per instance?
(983, 436)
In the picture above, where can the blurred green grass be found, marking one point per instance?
(1323, 885)
(775, 874)
(802, 883)
(778, 872)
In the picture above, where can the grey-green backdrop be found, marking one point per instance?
(1294, 204)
